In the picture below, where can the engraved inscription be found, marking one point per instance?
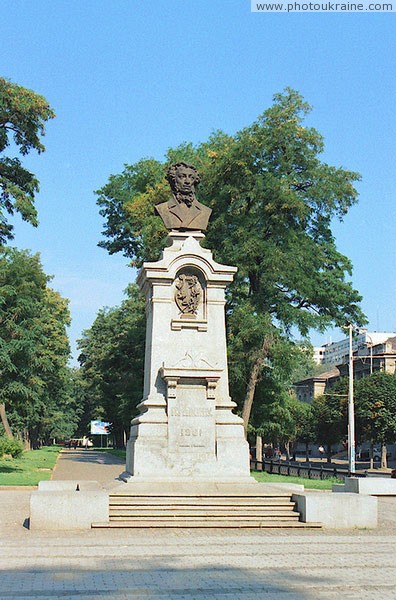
(191, 432)
(191, 423)
(191, 412)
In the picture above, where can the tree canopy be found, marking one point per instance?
(112, 356)
(34, 350)
(330, 416)
(273, 203)
(23, 115)
(375, 407)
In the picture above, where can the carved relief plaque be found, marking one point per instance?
(188, 294)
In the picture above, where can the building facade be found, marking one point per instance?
(335, 353)
(372, 351)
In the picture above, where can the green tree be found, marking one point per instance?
(34, 348)
(329, 413)
(273, 202)
(283, 422)
(375, 409)
(60, 411)
(112, 356)
(23, 115)
(306, 425)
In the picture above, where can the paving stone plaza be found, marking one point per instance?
(196, 564)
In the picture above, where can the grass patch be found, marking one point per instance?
(313, 484)
(114, 451)
(32, 467)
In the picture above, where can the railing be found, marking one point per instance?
(291, 468)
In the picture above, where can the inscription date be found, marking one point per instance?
(188, 432)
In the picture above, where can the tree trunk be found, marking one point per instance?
(328, 453)
(4, 421)
(306, 452)
(371, 454)
(259, 448)
(118, 438)
(33, 436)
(287, 450)
(384, 462)
(254, 378)
(26, 440)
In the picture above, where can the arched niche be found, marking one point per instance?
(189, 295)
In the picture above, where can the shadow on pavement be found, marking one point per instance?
(120, 578)
(90, 456)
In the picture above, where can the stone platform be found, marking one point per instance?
(373, 486)
(337, 511)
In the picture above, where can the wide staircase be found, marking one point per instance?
(275, 509)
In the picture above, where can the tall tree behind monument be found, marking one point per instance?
(273, 201)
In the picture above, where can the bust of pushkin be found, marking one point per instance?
(183, 211)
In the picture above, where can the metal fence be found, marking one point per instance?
(292, 468)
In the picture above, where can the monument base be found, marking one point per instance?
(186, 427)
(206, 487)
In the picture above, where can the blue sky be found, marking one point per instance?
(130, 78)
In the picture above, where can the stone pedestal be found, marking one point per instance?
(186, 428)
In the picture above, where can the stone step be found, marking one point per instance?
(191, 511)
(202, 515)
(220, 493)
(206, 510)
(202, 507)
(214, 509)
(189, 524)
(198, 501)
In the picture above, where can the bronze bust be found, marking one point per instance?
(183, 211)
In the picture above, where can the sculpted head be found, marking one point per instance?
(183, 178)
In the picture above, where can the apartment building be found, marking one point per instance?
(372, 351)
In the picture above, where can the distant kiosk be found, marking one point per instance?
(101, 428)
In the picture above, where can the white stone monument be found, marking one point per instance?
(186, 428)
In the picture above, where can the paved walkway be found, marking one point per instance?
(193, 564)
(88, 465)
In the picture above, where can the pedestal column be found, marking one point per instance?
(186, 427)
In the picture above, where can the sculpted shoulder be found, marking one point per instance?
(163, 211)
(180, 216)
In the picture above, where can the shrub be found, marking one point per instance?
(12, 447)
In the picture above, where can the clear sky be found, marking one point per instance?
(130, 78)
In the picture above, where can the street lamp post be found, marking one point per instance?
(351, 409)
